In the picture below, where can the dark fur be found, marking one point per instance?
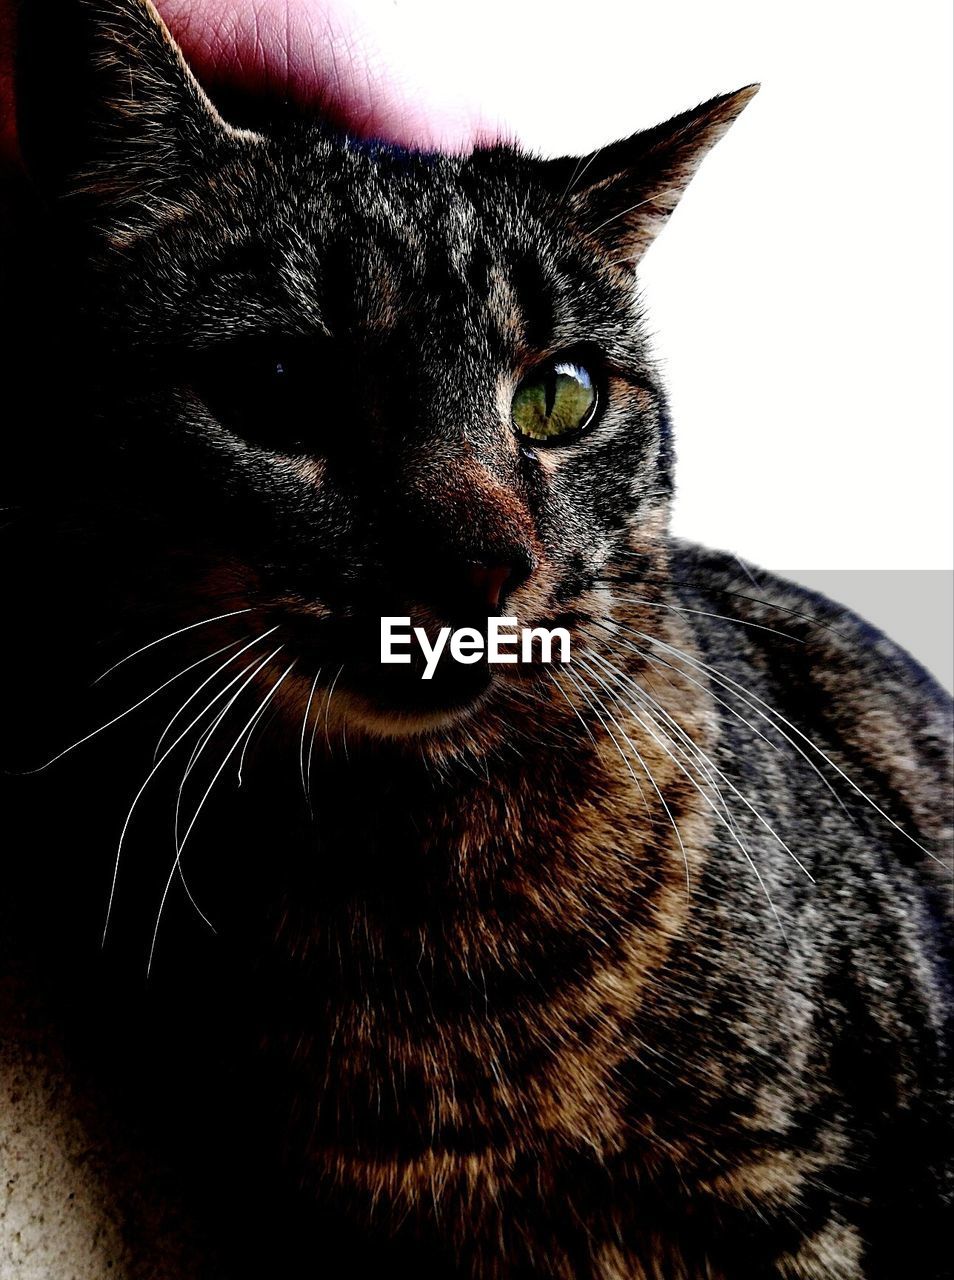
(469, 1000)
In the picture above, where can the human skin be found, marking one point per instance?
(355, 61)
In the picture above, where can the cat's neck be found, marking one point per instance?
(456, 920)
(588, 792)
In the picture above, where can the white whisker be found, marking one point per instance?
(205, 622)
(811, 618)
(655, 662)
(575, 710)
(683, 741)
(595, 704)
(579, 169)
(728, 782)
(157, 765)
(331, 694)
(705, 613)
(248, 739)
(244, 649)
(304, 730)
(129, 710)
(646, 770)
(732, 832)
(207, 735)
(727, 680)
(195, 817)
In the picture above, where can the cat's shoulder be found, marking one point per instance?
(828, 667)
(823, 631)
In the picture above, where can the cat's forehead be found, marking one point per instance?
(372, 200)
(348, 238)
(389, 234)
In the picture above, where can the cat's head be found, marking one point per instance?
(370, 382)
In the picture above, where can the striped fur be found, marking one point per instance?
(631, 970)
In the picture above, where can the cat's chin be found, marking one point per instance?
(402, 709)
(386, 723)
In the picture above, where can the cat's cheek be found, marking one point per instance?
(549, 461)
(308, 471)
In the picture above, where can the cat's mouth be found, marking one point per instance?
(401, 683)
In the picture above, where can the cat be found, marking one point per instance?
(636, 966)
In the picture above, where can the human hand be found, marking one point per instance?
(355, 61)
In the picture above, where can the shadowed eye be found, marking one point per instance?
(279, 395)
(555, 402)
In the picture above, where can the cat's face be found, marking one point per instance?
(345, 331)
(377, 383)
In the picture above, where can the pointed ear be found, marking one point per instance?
(108, 113)
(623, 194)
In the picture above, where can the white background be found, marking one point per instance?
(801, 295)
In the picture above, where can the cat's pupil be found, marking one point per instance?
(550, 386)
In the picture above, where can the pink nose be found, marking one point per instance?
(488, 582)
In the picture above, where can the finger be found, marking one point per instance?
(364, 65)
(369, 68)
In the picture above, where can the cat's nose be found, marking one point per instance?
(489, 584)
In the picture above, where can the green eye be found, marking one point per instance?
(555, 401)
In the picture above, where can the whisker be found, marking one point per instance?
(157, 765)
(748, 857)
(206, 733)
(575, 710)
(314, 731)
(655, 662)
(219, 617)
(192, 902)
(304, 730)
(810, 618)
(646, 770)
(595, 704)
(724, 679)
(728, 782)
(129, 710)
(228, 755)
(705, 613)
(196, 692)
(248, 739)
(331, 694)
(644, 874)
(690, 750)
(733, 711)
(746, 570)
(206, 737)
(210, 729)
(742, 719)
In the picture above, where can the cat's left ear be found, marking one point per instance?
(623, 194)
(108, 113)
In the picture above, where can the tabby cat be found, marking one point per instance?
(632, 967)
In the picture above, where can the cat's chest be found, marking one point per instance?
(468, 981)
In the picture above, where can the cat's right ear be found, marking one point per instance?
(622, 195)
(109, 116)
